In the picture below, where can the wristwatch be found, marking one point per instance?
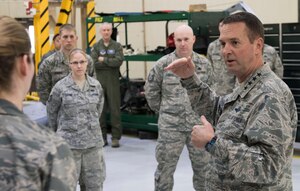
(211, 143)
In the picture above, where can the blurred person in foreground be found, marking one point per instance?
(169, 99)
(32, 157)
(249, 133)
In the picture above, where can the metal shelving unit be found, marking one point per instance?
(291, 61)
(126, 18)
(147, 122)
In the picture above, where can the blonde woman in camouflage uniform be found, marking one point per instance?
(32, 157)
(168, 98)
(74, 107)
(251, 143)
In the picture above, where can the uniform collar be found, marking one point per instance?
(70, 81)
(249, 83)
(8, 108)
(102, 42)
(60, 57)
(177, 57)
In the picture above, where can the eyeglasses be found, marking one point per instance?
(81, 62)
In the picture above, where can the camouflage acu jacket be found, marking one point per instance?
(256, 128)
(32, 157)
(74, 113)
(272, 58)
(168, 98)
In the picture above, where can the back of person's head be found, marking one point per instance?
(253, 24)
(68, 27)
(14, 42)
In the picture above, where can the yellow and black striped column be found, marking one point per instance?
(91, 29)
(41, 29)
(65, 10)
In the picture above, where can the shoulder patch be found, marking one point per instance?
(151, 76)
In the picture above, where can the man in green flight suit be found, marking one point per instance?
(108, 56)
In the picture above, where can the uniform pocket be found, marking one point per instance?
(69, 112)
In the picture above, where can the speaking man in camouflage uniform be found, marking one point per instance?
(226, 81)
(166, 96)
(108, 56)
(74, 107)
(56, 66)
(249, 133)
(32, 157)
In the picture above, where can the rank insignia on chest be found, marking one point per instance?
(237, 109)
(102, 52)
(110, 51)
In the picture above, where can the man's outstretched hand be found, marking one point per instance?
(183, 67)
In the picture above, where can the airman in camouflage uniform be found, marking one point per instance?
(255, 126)
(224, 81)
(272, 58)
(32, 157)
(56, 67)
(166, 96)
(73, 112)
(57, 46)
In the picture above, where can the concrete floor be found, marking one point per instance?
(131, 167)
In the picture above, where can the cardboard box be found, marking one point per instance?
(197, 8)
